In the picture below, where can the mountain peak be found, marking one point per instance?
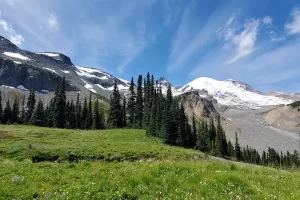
(6, 45)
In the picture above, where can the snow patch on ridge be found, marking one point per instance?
(49, 54)
(52, 70)
(16, 55)
(89, 86)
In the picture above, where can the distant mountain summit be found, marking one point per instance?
(41, 72)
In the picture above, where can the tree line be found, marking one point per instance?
(147, 108)
(60, 112)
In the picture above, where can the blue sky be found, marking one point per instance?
(255, 41)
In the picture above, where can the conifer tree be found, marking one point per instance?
(38, 117)
(30, 106)
(124, 116)
(78, 112)
(90, 113)
(153, 123)
(15, 112)
(0, 106)
(159, 113)
(72, 115)
(6, 114)
(115, 117)
(221, 144)
(131, 106)
(212, 135)
(237, 149)
(139, 103)
(84, 115)
(96, 116)
(60, 105)
(23, 112)
(147, 101)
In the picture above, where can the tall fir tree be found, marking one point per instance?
(23, 112)
(237, 149)
(60, 105)
(96, 116)
(38, 117)
(15, 111)
(139, 103)
(72, 116)
(147, 101)
(90, 113)
(115, 116)
(6, 114)
(78, 112)
(0, 106)
(30, 106)
(124, 113)
(131, 106)
(84, 116)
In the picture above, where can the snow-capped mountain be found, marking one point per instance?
(234, 93)
(163, 83)
(25, 70)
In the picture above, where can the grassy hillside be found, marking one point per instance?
(125, 164)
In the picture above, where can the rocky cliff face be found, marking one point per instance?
(285, 118)
(24, 70)
(201, 107)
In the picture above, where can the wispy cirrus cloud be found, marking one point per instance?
(294, 26)
(191, 38)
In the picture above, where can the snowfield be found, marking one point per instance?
(228, 93)
(49, 54)
(16, 55)
(52, 70)
(89, 86)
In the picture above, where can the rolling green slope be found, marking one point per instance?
(125, 164)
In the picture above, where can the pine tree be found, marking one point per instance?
(38, 117)
(0, 106)
(153, 123)
(96, 116)
(159, 113)
(30, 106)
(6, 114)
(131, 106)
(23, 112)
(237, 149)
(124, 116)
(212, 135)
(182, 132)
(78, 112)
(139, 103)
(72, 115)
(147, 101)
(221, 143)
(84, 116)
(15, 112)
(60, 105)
(115, 117)
(90, 114)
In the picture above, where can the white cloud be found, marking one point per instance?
(294, 26)
(245, 41)
(267, 20)
(7, 30)
(185, 44)
(53, 22)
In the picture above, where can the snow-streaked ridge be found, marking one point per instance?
(228, 93)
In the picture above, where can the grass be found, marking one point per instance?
(145, 169)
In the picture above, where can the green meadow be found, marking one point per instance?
(43, 163)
